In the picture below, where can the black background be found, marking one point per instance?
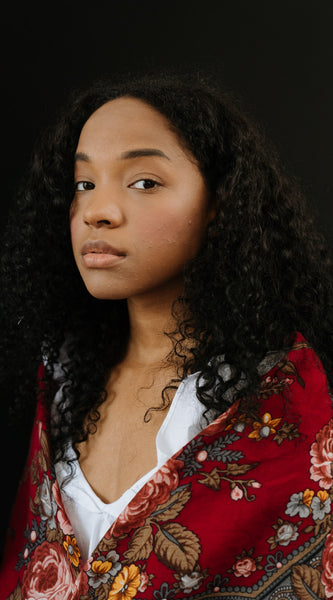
(275, 55)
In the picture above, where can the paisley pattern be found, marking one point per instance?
(244, 510)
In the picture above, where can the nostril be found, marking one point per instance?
(104, 222)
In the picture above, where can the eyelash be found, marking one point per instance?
(150, 180)
(77, 183)
(145, 179)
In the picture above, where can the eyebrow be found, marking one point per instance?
(128, 154)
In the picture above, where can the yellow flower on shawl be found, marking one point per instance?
(125, 585)
(72, 550)
(323, 496)
(99, 566)
(238, 423)
(262, 429)
(307, 497)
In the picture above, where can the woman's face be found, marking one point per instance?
(140, 208)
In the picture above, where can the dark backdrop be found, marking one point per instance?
(275, 55)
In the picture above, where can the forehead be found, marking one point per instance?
(126, 122)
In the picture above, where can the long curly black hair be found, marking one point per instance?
(262, 273)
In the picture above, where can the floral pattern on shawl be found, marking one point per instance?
(48, 576)
(195, 530)
(154, 493)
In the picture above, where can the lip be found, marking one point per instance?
(99, 253)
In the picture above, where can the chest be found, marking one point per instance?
(123, 447)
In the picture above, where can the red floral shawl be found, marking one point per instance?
(242, 511)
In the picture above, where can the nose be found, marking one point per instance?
(102, 210)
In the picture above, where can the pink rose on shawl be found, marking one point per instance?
(327, 563)
(49, 576)
(61, 514)
(155, 492)
(322, 456)
(244, 567)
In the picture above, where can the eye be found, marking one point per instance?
(145, 184)
(83, 186)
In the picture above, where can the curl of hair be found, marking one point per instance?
(263, 271)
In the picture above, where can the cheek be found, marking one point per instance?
(180, 230)
(74, 232)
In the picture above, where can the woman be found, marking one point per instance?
(176, 302)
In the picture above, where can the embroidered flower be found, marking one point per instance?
(286, 533)
(264, 428)
(144, 581)
(322, 456)
(307, 497)
(239, 426)
(99, 572)
(126, 584)
(299, 504)
(327, 563)
(321, 505)
(103, 568)
(72, 550)
(238, 423)
(201, 455)
(48, 505)
(49, 575)
(244, 567)
(236, 493)
(245, 564)
(187, 583)
(156, 491)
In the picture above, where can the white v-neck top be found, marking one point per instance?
(89, 516)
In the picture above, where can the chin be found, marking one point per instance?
(107, 294)
(102, 289)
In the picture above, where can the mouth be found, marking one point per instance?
(99, 254)
(100, 247)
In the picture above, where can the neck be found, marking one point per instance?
(150, 319)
